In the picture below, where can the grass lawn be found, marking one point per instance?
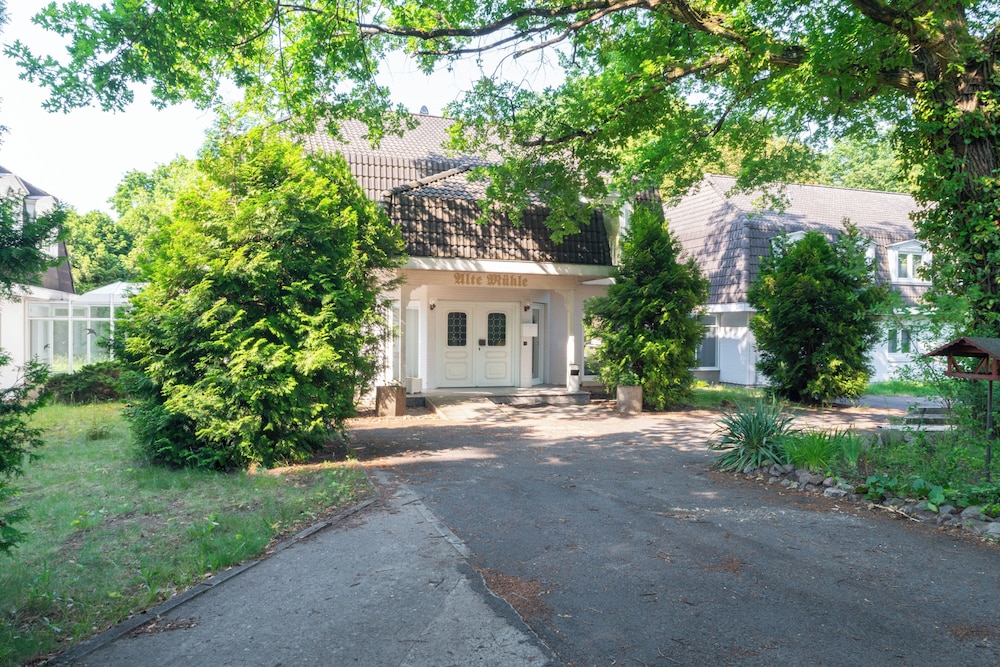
(901, 388)
(109, 534)
(715, 396)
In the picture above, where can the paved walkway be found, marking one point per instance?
(387, 585)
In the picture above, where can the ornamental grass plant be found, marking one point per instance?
(753, 436)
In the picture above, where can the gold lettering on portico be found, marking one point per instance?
(492, 280)
(468, 279)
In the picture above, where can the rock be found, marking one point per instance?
(788, 468)
(776, 470)
(809, 488)
(834, 492)
(847, 487)
(803, 476)
(977, 527)
(921, 506)
(972, 513)
(894, 502)
(787, 483)
(993, 530)
(774, 480)
(829, 481)
(947, 509)
(926, 516)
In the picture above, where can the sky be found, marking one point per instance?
(81, 156)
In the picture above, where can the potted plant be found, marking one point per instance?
(628, 392)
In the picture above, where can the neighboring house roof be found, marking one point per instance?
(14, 182)
(728, 234)
(59, 277)
(429, 195)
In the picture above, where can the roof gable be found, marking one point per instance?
(728, 232)
(429, 194)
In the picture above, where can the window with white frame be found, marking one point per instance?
(899, 341)
(67, 337)
(905, 261)
(708, 350)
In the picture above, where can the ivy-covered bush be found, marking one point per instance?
(94, 383)
(646, 322)
(259, 323)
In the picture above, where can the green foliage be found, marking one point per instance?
(258, 326)
(818, 317)
(651, 93)
(645, 322)
(866, 163)
(18, 439)
(101, 250)
(144, 203)
(813, 450)
(752, 436)
(95, 383)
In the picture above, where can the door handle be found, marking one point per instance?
(482, 342)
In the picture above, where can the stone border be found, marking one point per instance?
(789, 477)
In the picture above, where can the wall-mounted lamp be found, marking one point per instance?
(526, 307)
(433, 305)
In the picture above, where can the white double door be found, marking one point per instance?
(476, 344)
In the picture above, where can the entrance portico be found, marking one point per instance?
(490, 323)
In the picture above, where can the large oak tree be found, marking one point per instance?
(653, 90)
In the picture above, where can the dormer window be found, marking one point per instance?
(905, 261)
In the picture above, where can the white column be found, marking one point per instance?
(574, 334)
(404, 300)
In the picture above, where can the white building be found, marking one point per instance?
(727, 234)
(49, 321)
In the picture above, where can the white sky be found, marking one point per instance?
(81, 156)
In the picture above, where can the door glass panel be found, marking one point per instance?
(458, 324)
(496, 329)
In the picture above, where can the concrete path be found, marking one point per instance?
(389, 585)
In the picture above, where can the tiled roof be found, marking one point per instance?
(728, 234)
(430, 196)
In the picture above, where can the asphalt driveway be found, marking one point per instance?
(619, 546)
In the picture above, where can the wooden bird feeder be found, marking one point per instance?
(986, 352)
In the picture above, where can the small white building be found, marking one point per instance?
(728, 233)
(495, 305)
(49, 322)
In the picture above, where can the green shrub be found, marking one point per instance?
(96, 383)
(259, 324)
(818, 316)
(752, 437)
(645, 321)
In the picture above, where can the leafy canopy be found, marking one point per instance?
(818, 316)
(645, 321)
(651, 91)
(257, 328)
